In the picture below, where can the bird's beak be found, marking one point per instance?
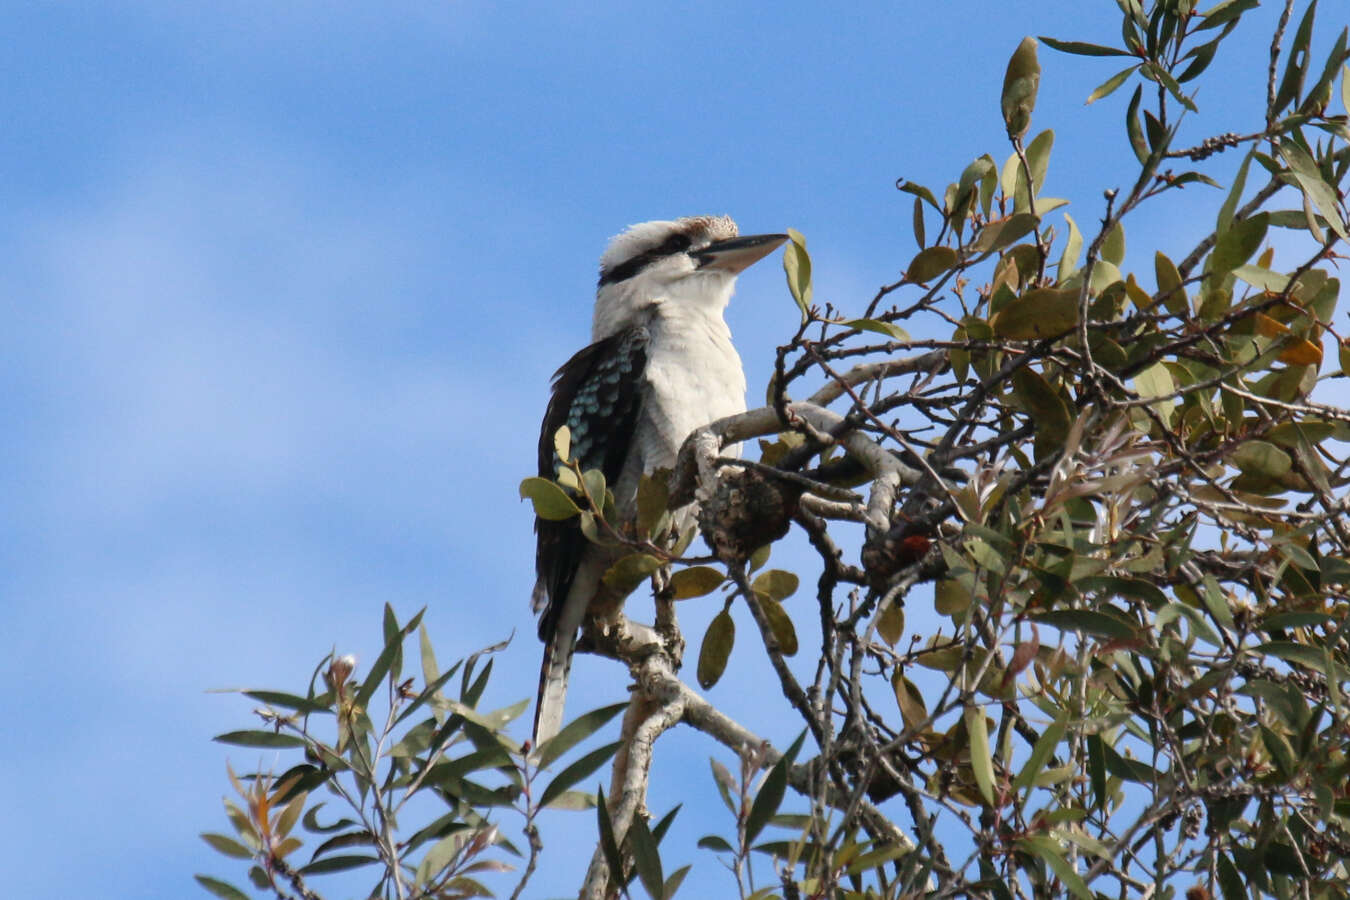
(739, 253)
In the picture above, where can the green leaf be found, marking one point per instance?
(286, 821)
(1200, 58)
(767, 801)
(1021, 81)
(220, 888)
(775, 583)
(1264, 279)
(259, 739)
(393, 648)
(663, 825)
(1170, 285)
(797, 268)
(875, 858)
(607, 841)
(432, 689)
(550, 501)
(891, 624)
(288, 701)
(1262, 458)
(1073, 246)
(1049, 850)
(1088, 621)
(1043, 404)
(593, 480)
(653, 495)
(1296, 64)
(715, 843)
(1281, 752)
(440, 855)
(1040, 754)
(1312, 657)
(930, 263)
(695, 581)
(311, 822)
(921, 192)
(1096, 764)
(226, 845)
(646, 858)
(1310, 181)
(1166, 80)
(1155, 381)
(581, 769)
(1230, 882)
(675, 880)
(890, 330)
(1113, 247)
(626, 575)
(997, 235)
(1037, 313)
(910, 700)
(1108, 87)
(1236, 245)
(1126, 768)
(1225, 12)
(981, 763)
(781, 624)
(717, 643)
(1134, 128)
(337, 864)
(574, 732)
(1081, 49)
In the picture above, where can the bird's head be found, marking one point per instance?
(692, 261)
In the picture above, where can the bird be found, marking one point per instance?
(660, 365)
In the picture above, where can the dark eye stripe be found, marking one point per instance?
(676, 243)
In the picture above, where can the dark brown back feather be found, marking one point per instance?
(598, 395)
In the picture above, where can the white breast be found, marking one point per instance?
(695, 377)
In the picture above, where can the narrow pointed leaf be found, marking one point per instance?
(226, 845)
(797, 268)
(1109, 86)
(608, 844)
(980, 761)
(1082, 49)
(1310, 181)
(259, 739)
(578, 771)
(646, 858)
(767, 801)
(221, 889)
(1040, 754)
(574, 732)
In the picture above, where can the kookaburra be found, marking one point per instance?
(660, 364)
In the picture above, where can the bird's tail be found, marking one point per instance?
(554, 672)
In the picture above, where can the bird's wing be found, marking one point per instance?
(597, 394)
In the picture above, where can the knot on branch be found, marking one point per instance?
(745, 511)
(1212, 145)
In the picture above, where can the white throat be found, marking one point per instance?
(686, 295)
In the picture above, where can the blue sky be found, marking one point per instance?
(284, 285)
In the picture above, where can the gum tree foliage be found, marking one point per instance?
(1125, 487)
